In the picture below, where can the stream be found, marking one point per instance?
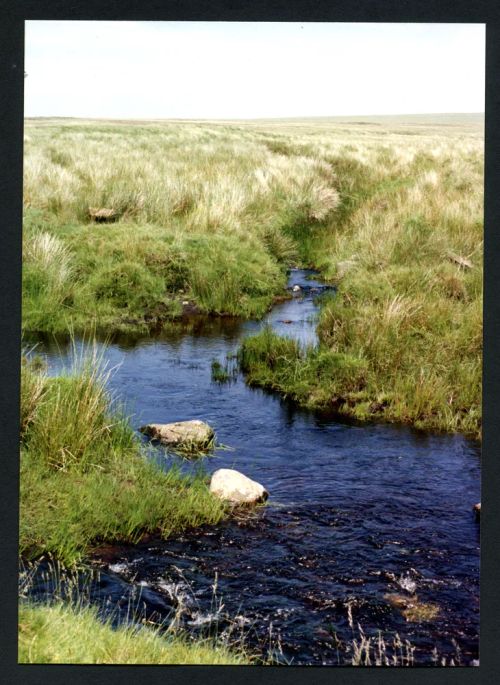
(363, 523)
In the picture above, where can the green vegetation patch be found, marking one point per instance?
(124, 276)
(86, 479)
(314, 377)
(350, 383)
(223, 373)
(63, 634)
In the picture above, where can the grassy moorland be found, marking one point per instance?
(390, 210)
(85, 479)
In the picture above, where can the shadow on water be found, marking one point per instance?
(368, 524)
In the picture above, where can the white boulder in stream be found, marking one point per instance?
(233, 486)
(190, 435)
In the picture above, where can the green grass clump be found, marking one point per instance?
(127, 276)
(351, 384)
(232, 276)
(85, 479)
(63, 634)
(126, 284)
(33, 387)
(314, 377)
(220, 373)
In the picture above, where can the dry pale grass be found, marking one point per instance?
(217, 178)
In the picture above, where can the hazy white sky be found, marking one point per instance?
(247, 70)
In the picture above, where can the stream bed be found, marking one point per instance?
(367, 526)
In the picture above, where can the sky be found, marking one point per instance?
(233, 70)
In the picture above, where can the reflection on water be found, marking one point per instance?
(356, 513)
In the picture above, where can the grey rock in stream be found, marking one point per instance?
(233, 486)
(191, 435)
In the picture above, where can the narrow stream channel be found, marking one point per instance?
(360, 520)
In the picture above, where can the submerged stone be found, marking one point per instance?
(190, 435)
(400, 601)
(411, 608)
(421, 612)
(233, 486)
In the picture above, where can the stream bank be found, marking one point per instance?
(357, 515)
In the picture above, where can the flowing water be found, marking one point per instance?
(366, 525)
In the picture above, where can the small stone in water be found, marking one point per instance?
(421, 612)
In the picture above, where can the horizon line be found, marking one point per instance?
(263, 118)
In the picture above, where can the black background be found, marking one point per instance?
(12, 17)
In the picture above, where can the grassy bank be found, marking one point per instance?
(402, 340)
(203, 214)
(85, 478)
(62, 634)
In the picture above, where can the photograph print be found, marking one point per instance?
(251, 365)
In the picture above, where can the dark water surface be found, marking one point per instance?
(355, 513)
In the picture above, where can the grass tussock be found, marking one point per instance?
(64, 634)
(85, 478)
(380, 651)
(311, 376)
(224, 372)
